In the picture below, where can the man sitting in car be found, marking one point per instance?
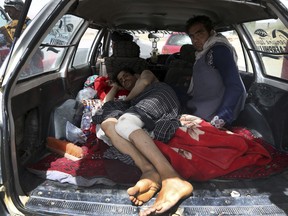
(216, 89)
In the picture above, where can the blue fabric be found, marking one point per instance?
(208, 88)
(218, 92)
(222, 59)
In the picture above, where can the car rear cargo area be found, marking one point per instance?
(267, 196)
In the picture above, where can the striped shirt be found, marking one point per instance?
(157, 106)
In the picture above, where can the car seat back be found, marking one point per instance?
(180, 70)
(125, 54)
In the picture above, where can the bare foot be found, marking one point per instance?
(173, 190)
(145, 188)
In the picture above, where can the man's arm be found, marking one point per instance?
(146, 78)
(112, 93)
(234, 88)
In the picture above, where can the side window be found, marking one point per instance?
(271, 42)
(4, 19)
(244, 63)
(4, 42)
(85, 46)
(51, 52)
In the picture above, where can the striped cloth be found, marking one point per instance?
(157, 106)
(113, 153)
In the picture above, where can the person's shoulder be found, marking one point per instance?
(148, 75)
(220, 47)
(146, 72)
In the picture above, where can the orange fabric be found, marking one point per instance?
(64, 147)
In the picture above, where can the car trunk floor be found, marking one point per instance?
(233, 194)
(267, 196)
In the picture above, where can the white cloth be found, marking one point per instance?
(101, 135)
(215, 38)
(127, 124)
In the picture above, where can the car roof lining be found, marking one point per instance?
(161, 14)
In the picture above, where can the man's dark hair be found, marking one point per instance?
(205, 20)
(125, 69)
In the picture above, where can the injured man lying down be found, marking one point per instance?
(154, 106)
(139, 123)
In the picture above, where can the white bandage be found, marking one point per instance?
(128, 123)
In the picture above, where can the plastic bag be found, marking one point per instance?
(74, 134)
(86, 93)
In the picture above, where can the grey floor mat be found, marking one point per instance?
(218, 197)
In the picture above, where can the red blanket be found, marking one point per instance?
(202, 152)
(101, 85)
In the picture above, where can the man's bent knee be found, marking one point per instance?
(108, 123)
(127, 124)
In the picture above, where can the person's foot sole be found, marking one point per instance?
(145, 188)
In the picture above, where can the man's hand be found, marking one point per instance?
(217, 122)
(113, 91)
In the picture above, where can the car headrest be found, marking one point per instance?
(126, 49)
(187, 53)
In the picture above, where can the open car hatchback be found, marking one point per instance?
(60, 63)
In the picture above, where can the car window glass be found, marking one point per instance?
(145, 44)
(142, 40)
(244, 63)
(84, 47)
(285, 2)
(51, 52)
(4, 48)
(271, 41)
(174, 41)
(3, 18)
(179, 39)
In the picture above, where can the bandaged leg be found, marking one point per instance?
(127, 124)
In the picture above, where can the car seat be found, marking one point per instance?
(125, 54)
(180, 70)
